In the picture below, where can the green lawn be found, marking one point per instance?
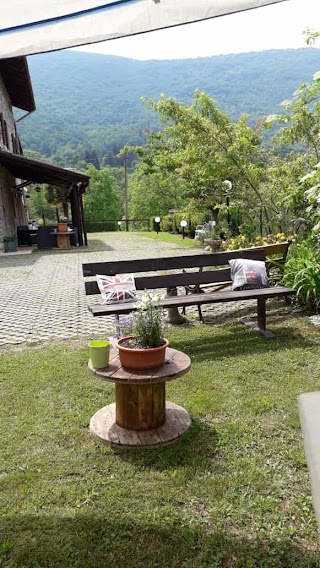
(171, 238)
(234, 492)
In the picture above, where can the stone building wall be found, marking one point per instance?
(13, 207)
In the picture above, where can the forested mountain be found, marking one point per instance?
(89, 105)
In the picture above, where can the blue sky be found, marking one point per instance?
(279, 26)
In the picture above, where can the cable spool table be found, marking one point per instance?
(141, 416)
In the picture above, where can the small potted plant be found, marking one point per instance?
(63, 224)
(140, 337)
(211, 239)
(10, 243)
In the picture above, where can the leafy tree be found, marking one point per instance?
(154, 194)
(301, 124)
(301, 118)
(102, 199)
(203, 147)
(39, 206)
(57, 196)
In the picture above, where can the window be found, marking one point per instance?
(1, 127)
(5, 133)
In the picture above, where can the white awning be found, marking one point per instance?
(37, 26)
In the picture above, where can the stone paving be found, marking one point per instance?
(42, 295)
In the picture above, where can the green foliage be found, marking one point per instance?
(301, 117)
(39, 206)
(312, 195)
(195, 213)
(202, 146)
(154, 194)
(88, 105)
(301, 120)
(146, 324)
(56, 196)
(302, 272)
(312, 36)
(244, 241)
(102, 200)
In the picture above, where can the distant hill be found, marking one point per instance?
(88, 105)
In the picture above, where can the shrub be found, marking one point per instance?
(302, 272)
(242, 241)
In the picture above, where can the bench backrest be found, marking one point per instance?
(179, 262)
(172, 280)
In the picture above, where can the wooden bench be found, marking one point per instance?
(309, 409)
(197, 277)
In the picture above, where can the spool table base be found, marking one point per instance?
(104, 427)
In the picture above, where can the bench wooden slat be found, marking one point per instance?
(170, 263)
(194, 299)
(171, 280)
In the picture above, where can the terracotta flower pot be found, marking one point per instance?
(141, 359)
(62, 227)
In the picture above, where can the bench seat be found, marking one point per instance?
(194, 300)
(206, 298)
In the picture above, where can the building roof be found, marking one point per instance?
(35, 171)
(15, 75)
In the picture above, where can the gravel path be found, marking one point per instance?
(42, 295)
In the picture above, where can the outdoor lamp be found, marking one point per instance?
(183, 224)
(228, 183)
(119, 225)
(157, 222)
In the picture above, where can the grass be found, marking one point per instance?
(233, 492)
(171, 238)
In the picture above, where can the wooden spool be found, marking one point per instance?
(141, 415)
(140, 407)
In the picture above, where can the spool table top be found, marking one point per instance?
(176, 364)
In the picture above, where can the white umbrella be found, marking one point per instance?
(37, 26)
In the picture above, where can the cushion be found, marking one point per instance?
(118, 288)
(248, 274)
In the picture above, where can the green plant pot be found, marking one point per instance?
(10, 246)
(99, 353)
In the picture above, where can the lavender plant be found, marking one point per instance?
(146, 325)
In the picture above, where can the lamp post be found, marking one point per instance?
(157, 222)
(228, 189)
(119, 225)
(183, 224)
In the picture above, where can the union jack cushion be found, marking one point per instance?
(118, 288)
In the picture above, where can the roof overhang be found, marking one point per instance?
(56, 24)
(15, 75)
(34, 171)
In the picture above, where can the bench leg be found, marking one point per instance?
(173, 315)
(260, 325)
(199, 307)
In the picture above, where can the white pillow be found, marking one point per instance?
(248, 274)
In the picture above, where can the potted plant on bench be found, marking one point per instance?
(140, 337)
